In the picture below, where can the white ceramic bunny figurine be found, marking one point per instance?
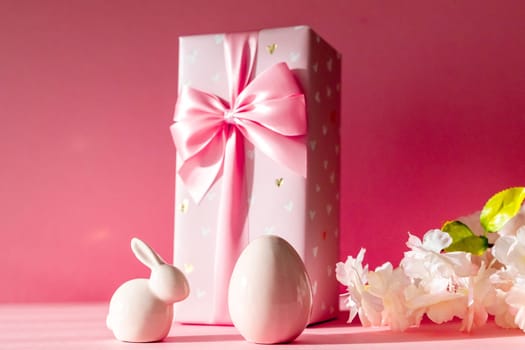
(141, 310)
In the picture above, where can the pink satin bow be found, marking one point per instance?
(209, 134)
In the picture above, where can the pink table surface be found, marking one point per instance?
(82, 326)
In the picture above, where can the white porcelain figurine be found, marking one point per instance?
(270, 296)
(141, 310)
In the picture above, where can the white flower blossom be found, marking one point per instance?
(481, 295)
(389, 284)
(503, 313)
(439, 305)
(426, 262)
(442, 285)
(516, 299)
(446, 285)
(503, 280)
(510, 250)
(360, 301)
(512, 226)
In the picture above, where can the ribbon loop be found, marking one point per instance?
(269, 112)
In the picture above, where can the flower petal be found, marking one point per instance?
(436, 240)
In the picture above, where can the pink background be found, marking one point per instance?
(433, 124)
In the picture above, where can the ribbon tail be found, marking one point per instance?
(231, 235)
(240, 50)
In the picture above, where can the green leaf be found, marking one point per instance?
(501, 207)
(463, 239)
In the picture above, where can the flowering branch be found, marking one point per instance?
(451, 272)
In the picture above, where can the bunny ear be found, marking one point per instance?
(145, 254)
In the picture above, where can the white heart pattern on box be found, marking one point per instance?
(268, 230)
(192, 56)
(215, 78)
(200, 293)
(219, 38)
(288, 206)
(205, 231)
(294, 56)
(329, 65)
(312, 214)
(211, 195)
(315, 251)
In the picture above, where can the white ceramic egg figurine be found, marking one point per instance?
(270, 297)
